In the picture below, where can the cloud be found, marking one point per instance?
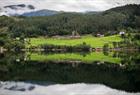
(59, 89)
(72, 5)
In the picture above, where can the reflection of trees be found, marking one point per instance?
(62, 72)
(115, 54)
(11, 57)
(106, 52)
(129, 57)
(108, 74)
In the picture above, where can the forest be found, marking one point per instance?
(110, 22)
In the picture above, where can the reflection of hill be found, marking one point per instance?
(46, 68)
(108, 74)
(88, 58)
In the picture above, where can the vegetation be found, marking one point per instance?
(8, 42)
(63, 24)
(131, 40)
(108, 23)
(110, 74)
(57, 48)
(90, 40)
(89, 58)
(121, 72)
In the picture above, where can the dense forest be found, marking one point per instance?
(125, 18)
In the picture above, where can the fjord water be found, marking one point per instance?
(95, 73)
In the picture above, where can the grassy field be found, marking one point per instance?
(89, 58)
(88, 39)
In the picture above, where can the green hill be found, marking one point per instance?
(88, 39)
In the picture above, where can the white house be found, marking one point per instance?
(100, 35)
(122, 33)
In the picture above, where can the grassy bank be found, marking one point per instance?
(88, 39)
(89, 58)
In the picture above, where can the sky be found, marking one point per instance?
(59, 89)
(71, 5)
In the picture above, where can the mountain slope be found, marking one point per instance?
(41, 13)
(131, 9)
(109, 22)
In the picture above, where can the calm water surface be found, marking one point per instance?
(96, 73)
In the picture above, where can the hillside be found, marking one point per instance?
(41, 13)
(109, 22)
(94, 42)
(128, 9)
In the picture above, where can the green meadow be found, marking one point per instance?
(88, 58)
(88, 39)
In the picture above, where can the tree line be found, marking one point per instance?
(108, 23)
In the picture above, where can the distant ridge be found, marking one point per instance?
(44, 12)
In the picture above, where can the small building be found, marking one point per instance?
(99, 35)
(75, 35)
(122, 33)
(17, 38)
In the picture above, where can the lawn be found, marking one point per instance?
(89, 58)
(88, 39)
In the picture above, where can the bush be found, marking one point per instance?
(106, 47)
(81, 47)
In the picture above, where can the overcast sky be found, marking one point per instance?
(71, 5)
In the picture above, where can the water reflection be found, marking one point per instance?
(118, 70)
(81, 57)
(23, 88)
